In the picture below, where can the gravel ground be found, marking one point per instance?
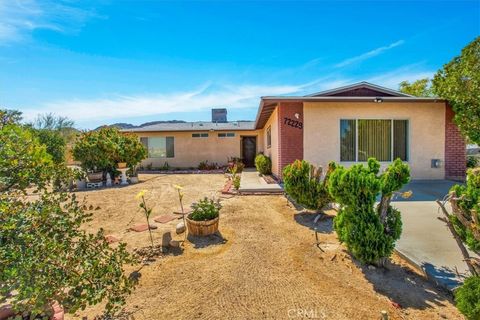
(265, 263)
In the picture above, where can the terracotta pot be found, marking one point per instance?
(121, 165)
(202, 228)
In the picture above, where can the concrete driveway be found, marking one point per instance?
(426, 241)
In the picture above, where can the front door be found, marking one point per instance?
(249, 150)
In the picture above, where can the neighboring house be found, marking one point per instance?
(346, 125)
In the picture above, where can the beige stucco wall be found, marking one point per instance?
(272, 152)
(426, 132)
(189, 152)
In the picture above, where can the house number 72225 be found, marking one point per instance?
(293, 123)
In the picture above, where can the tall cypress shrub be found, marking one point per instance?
(369, 232)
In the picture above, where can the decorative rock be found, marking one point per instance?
(142, 227)
(174, 243)
(166, 239)
(180, 228)
(111, 238)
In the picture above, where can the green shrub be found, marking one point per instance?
(54, 143)
(472, 161)
(368, 232)
(205, 209)
(303, 183)
(236, 182)
(263, 164)
(467, 200)
(467, 298)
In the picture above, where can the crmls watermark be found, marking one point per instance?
(305, 313)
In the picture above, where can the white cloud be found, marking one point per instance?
(369, 54)
(18, 18)
(124, 106)
(393, 78)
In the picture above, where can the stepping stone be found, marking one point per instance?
(165, 218)
(142, 227)
(111, 238)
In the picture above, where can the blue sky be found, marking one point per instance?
(99, 62)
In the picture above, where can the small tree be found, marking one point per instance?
(369, 233)
(104, 148)
(418, 88)
(303, 182)
(459, 82)
(45, 256)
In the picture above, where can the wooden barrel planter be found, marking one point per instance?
(202, 228)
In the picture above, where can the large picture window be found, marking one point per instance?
(383, 139)
(159, 147)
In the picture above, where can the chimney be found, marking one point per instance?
(219, 115)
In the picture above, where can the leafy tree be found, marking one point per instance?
(418, 88)
(369, 233)
(303, 182)
(23, 160)
(9, 117)
(45, 256)
(54, 143)
(104, 148)
(62, 125)
(459, 83)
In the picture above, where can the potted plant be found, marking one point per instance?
(203, 220)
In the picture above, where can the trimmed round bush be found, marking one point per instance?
(467, 298)
(263, 164)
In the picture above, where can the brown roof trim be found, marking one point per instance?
(264, 112)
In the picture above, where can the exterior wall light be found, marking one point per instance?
(436, 163)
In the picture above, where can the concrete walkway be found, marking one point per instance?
(426, 241)
(252, 182)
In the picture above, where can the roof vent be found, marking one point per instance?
(219, 115)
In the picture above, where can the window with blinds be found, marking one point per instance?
(383, 139)
(159, 147)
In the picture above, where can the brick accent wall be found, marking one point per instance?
(455, 149)
(290, 134)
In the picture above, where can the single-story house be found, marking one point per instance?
(347, 125)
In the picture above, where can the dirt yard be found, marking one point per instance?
(266, 267)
